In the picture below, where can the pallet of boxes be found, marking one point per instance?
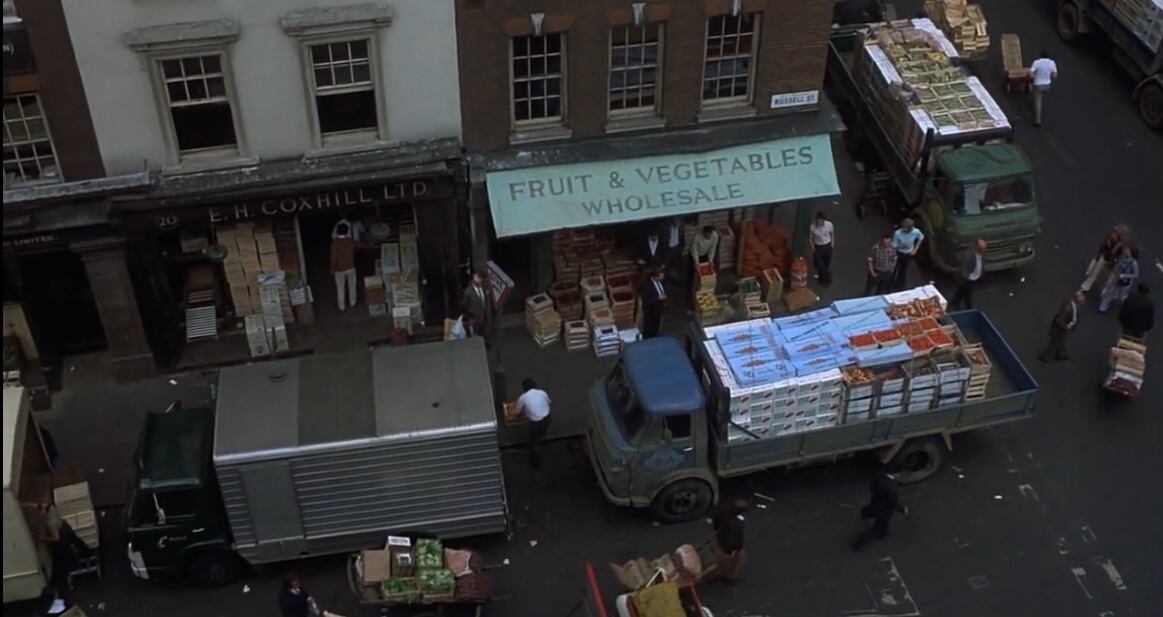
(399, 267)
(963, 23)
(418, 571)
(258, 285)
(74, 503)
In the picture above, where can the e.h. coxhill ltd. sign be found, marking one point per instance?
(540, 199)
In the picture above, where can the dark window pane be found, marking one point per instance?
(553, 86)
(203, 126)
(362, 73)
(553, 43)
(741, 87)
(520, 46)
(618, 79)
(616, 100)
(521, 110)
(323, 78)
(679, 426)
(217, 86)
(711, 71)
(617, 36)
(537, 66)
(553, 65)
(618, 57)
(649, 76)
(177, 91)
(520, 67)
(192, 66)
(552, 107)
(715, 26)
(171, 68)
(342, 75)
(197, 89)
(714, 49)
(212, 64)
(747, 22)
(536, 88)
(521, 90)
(320, 54)
(651, 54)
(633, 78)
(177, 503)
(359, 49)
(346, 112)
(339, 51)
(536, 45)
(729, 46)
(648, 97)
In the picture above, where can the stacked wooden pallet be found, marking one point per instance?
(979, 371)
(75, 506)
(622, 304)
(201, 302)
(577, 334)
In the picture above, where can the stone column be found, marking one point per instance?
(129, 352)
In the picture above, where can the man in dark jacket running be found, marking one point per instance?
(884, 501)
(1137, 316)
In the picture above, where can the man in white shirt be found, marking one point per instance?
(823, 243)
(972, 266)
(534, 405)
(1044, 71)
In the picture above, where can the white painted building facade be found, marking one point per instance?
(189, 85)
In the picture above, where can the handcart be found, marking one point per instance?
(1018, 78)
(655, 598)
(418, 576)
(1128, 364)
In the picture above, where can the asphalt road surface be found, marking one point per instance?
(1058, 516)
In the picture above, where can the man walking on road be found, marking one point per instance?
(823, 245)
(883, 502)
(971, 267)
(1064, 323)
(1044, 71)
(534, 404)
(881, 261)
(907, 241)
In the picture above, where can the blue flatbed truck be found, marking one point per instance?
(659, 423)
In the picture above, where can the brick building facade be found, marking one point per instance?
(585, 87)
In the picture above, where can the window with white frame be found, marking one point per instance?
(730, 58)
(344, 89)
(635, 60)
(199, 101)
(29, 155)
(538, 72)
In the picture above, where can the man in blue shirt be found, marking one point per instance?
(906, 241)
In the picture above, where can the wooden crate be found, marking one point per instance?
(1011, 53)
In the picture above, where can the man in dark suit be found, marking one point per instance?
(1137, 316)
(1063, 324)
(970, 267)
(884, 501)
(653, 303)
(652, 253)
(478, 302)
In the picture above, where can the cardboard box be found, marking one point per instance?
(377, 566)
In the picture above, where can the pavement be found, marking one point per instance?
(1057, 516)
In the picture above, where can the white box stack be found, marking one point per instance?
(257, 336)
(75, 506)
(606, 341)
(542, 321)
(577, 334)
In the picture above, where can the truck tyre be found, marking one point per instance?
(1151, 105)
(682, 501)
(1069, 21)
(918, 459)
(214, 569)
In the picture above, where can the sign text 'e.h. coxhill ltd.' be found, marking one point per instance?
(540, 199)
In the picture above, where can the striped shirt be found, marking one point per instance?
(882, 257)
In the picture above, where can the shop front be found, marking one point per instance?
(251, 273)
(591, 214)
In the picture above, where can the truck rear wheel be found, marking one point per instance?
(918, 459)
(214, 569)
(682, 501)
(1069, 21)
(1151, 105)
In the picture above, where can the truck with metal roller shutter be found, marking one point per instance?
(316, 456)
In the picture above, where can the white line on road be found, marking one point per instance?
(1029, 492)
(1079, 574)
(1088, 536)
(1113, 573)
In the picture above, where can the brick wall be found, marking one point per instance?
(793, 39)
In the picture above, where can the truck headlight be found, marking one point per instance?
(1026, 248)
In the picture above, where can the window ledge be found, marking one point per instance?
(210, 161)
(348, 147)
(727, 112)
(179, 36)
(625, 124)
(551, 132)
(336, 19)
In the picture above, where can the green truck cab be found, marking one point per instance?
(961, 186)
(174, 518)
(660, 425)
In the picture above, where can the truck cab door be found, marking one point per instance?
(665, 447)
(162, 525)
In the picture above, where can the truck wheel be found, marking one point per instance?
(1151, 105)
(214, 569)
(682, 501)
(918, 459)
(1069, 22)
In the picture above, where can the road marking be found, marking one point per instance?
(1088, 536)
(1062, 546)
(1113, 573)
(888, 594)
(1079, 575)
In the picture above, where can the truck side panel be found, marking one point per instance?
(1010, 397)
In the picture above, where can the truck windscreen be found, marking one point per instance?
(984, 197)
(627, 413)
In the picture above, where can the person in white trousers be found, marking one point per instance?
(343, 265)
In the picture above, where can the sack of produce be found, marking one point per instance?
(458, 561)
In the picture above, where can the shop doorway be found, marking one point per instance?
(58, 301)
